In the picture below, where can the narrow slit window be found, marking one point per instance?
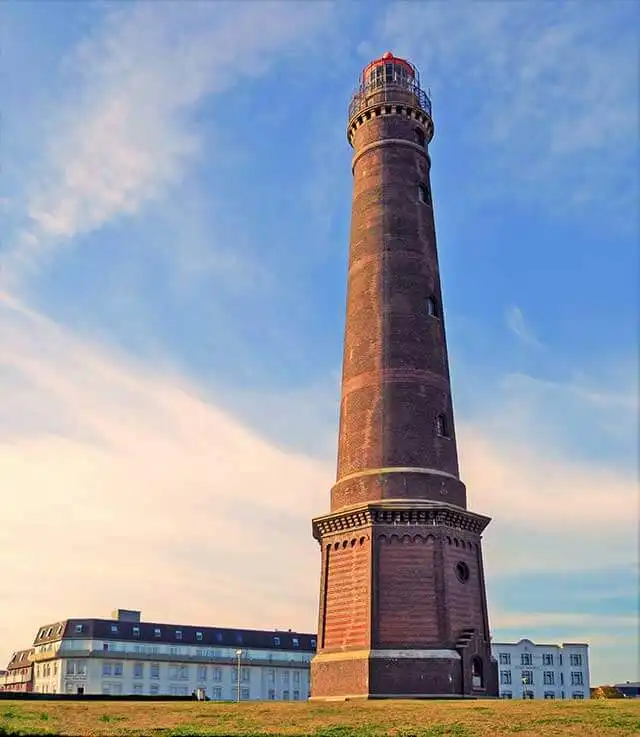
(441, 426)
(423, 194)
(432, 307)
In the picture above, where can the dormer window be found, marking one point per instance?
(136, 631)
(79, 628)
(178, 634)
(313, 642)
(276, 641)
(199, 636)
(157, 632)
(296, 642)
(114, 629)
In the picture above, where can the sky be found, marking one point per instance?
(175, 204)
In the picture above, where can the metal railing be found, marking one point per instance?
(385, 92)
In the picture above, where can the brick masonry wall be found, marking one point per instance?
(464, 600)
(395, 365)
(346, 616)
(405, 585)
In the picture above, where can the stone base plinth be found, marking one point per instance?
(387, 674)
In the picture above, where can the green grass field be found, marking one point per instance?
(619, 718)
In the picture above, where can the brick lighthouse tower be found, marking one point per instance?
(403, 611)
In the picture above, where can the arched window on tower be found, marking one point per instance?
(419, 136)
(477, 679)
(423, 194)
(441, 426)
(432, 307)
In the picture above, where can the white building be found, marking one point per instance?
(527, 670)
(124, 655)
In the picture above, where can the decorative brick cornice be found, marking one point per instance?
(399, 512)
(378, 108)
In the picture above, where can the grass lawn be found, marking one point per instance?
(361, 719)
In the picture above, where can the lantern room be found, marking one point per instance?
(389, 79)
(390, 70)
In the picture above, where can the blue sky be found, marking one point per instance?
(175, 201)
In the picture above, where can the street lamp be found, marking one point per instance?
(239, 655)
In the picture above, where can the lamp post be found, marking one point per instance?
(239, 655)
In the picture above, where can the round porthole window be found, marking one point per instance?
(462, 572)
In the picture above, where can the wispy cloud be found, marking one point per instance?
(516, 323)
(554, 92)
(125, 462)
(124, 135)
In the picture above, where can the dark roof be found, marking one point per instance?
(176, 634)
(50, 633)
(20, 659)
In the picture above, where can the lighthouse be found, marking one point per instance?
(402, 605)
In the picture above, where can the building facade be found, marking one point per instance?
(402, 606)
(530, 671)
(124, 655)
(19, 673)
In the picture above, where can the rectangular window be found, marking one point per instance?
(116, 689)
(296, 642)
(271, 675)
(202, 672)
(285, 676)
(505, 658)
(136, 631)
(244, 693)
(106, 688)
(296, 676)
(549, 695)
(155, 670)
(137, 688)
(117, 669)
(106, 669)
(276, 641)
(296, 695)
(154, 689)
(114, 629)
(576, 678)
(527, 677)
(138, 670)
(245, 674)
(575, 659)
(184, 672)
(199, 636)
(577, 695)
(525, 659)
(79, 628)
(548, 678)
(178, 634)
(217, 674)
(505, 677)
(313, 643)
(157, 632)
(71, 668)
(507, 695)
(285, 695)
(217, 693)
(547, 659)
(272, 694)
